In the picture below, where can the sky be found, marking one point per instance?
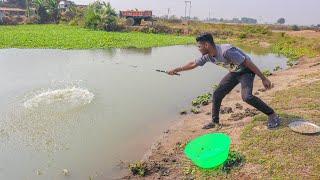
(300, 12)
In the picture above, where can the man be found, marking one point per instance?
(241, 70)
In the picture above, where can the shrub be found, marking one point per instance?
(257, 29)
(202, 100)
(138, 168)
(295, 28)
(266, 73)
(235, 159)
(243, 36)
(101, 15)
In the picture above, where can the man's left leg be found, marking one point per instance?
(225, 86)
(246, 81)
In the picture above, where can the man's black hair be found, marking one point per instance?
(206, 37)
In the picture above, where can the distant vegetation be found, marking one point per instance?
(73, 37)
(102, 16)
(281, 21)
(243, 20)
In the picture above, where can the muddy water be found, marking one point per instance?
(87, 110)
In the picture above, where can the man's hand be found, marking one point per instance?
(173, 72)
(266, 83)
(189, 66)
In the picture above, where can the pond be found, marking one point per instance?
(88, 110)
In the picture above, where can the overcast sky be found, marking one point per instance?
(302, 12)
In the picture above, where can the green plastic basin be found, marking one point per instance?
(208, 151)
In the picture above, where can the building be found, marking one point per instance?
(65, 4)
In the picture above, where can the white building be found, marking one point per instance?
(65, 4)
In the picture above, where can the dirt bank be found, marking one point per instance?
(166, 159)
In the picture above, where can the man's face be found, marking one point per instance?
(203, 47)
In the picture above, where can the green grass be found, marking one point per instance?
(72, 37)
(282, 153)
(234, 162)
(202, 100)
(249, 37)
(296, 47)
(302, 99)
(138, 168)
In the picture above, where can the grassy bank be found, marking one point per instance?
(257, 38)
(71, 37)
(296, 47)
(252, 38)
(273, 154)
(278, 154)
(283, 154)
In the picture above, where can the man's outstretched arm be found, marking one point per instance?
(189, 66)
(265, 81)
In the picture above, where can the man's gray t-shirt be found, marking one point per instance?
(228, 56)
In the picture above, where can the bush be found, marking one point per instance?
(174, 20)
(67, 16)
(277, 68)
(295, 28)
(43, 16)
(31, 20)
(257, 29)
(138, 168)
(78, 18)
(243, 36)
(9, 20)
(202, 100)
(266, 73)
(235, 159)
(195, 111)
(100, 15)
(291, 63)
(155, 29)
(20, 19)
(161, 29)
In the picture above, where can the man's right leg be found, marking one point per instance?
(225, 86)
(246, 81)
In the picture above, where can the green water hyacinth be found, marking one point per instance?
(202, 100)
(72, 37)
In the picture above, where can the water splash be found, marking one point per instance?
(45, 119)
(60, 100)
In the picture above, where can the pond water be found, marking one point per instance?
(88, 110)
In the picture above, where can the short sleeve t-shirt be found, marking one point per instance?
(228, 56)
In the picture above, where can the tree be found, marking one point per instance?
(281, 21)
(248, 20)
(109, 16)
(295, 28)
(53, 10)
(28, 5)
(100, 15)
